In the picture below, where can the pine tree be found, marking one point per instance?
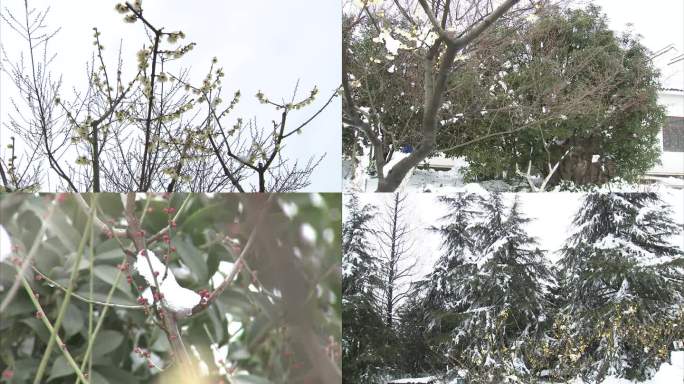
(439, 297)
(418, 356)
(457, 247)
(363, 337)
(623, 283)
(507, 297)
(359, 264)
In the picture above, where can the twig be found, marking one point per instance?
(67, 298)
(238, 264)
(70, 360)
(96, 220)
(29, 259)
(82, 298)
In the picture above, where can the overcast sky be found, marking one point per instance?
(660, 23)
(262, 45)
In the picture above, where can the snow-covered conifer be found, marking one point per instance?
(507, 297)
(622, 282)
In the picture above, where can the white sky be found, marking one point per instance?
(551, 214)
(262, 45)
(659, 22)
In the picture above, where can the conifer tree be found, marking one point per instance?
(623, 283)
(440, 298)
(359, 263)
(457, 248)
(363, 328)
(507, 297)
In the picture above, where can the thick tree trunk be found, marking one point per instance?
(579, 166)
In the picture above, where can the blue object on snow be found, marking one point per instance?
(406, 148)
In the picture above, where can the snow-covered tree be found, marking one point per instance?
(507, 297)
(364, 328)
(359, 264)
(437, 35)
(395, 254)
(416, 342)
(457, 247)
(440, 299)
(623, 282)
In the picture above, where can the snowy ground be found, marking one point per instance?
(667, 374)
(430, 180)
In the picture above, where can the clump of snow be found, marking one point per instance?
(5, 244)
(176, 298)
(391, 44)
(308, 233)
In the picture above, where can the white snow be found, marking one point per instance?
(308, 233)
(428, 379)
(178, 299)
(667, 374)
(451, 180)
(391, 44)
(5, 244)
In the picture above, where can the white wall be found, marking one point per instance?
(672, 162)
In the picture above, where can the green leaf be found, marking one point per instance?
(98, 378)
(38, 327)
(73, 320)
(60, 368)
(161, 344)
(116, 375)
(106, 342)
(21, 304)
(24, 369)
(107, 273)
(110, 204)
(193, 258)
(102, 296)
(50, 252)
(110, 250)
(233, 301)
(211, 214)
(66, 233)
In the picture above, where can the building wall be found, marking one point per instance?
(672, 162)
